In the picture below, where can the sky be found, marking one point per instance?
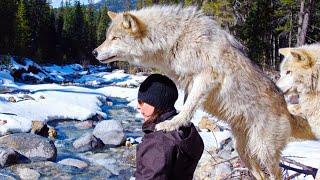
(56, 3)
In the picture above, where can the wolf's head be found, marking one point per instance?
(123, 39)
(300, 69)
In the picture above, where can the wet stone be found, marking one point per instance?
(51, 170)
(84, 124)
(32, 146)
(110, 132)
(74, 162)
(27, 173)
(8, 156)
(87, 142)
(40, 128)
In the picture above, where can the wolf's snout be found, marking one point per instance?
(95, 53)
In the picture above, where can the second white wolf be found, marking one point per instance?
(300, 73)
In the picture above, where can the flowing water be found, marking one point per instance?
(104, 163)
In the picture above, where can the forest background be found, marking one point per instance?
(68, 34)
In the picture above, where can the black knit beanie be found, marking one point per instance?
(159, 91)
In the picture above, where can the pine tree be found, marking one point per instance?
(103, 24)
(91, 34)
(46, 36)
(67, 31)
(23, 31)
(313, 34)
(8, 10)
(285, 17)
(79, 32)
(256, 32)
(59, 35)
(221, 10)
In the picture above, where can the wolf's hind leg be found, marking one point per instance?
(254, 166)
(251, 163)
(202, 84)
(273, 167)
(267, 153)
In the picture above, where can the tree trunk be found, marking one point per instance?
(290, 33)
(303, 20)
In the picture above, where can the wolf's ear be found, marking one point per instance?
(297, 55)
(130, 22)
(285, 51)
(112, 15)
(303, 56)
(300, 55)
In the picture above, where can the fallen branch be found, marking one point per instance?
(307, 170)
(228, 160)
(292, 176)
(10, 114)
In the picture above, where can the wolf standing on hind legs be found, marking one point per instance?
(210, 65)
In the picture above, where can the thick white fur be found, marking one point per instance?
(212, 67)
(299, 72)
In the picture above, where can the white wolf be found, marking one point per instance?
(211, 66)
(300, 72)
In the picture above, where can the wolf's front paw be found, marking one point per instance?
(170, 125)
(166, 126)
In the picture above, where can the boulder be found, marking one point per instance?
(32, 146)
(110, 132)
(74, 162)
(42, 129)
(87, 142)
(27, 173)
(8, 156)
(84, 124)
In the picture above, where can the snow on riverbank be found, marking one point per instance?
(47, 102)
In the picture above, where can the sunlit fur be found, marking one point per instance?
(215, 72)
(300, 72)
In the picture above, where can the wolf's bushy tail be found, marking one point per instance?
(300, 128)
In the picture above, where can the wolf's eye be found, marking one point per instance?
(288, 72)
(114, 38)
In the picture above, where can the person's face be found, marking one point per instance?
(145, 109)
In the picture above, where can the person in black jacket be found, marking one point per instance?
(164, 155)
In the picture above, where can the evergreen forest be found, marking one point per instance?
(68, 34)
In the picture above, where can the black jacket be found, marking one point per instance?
(170, 155)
